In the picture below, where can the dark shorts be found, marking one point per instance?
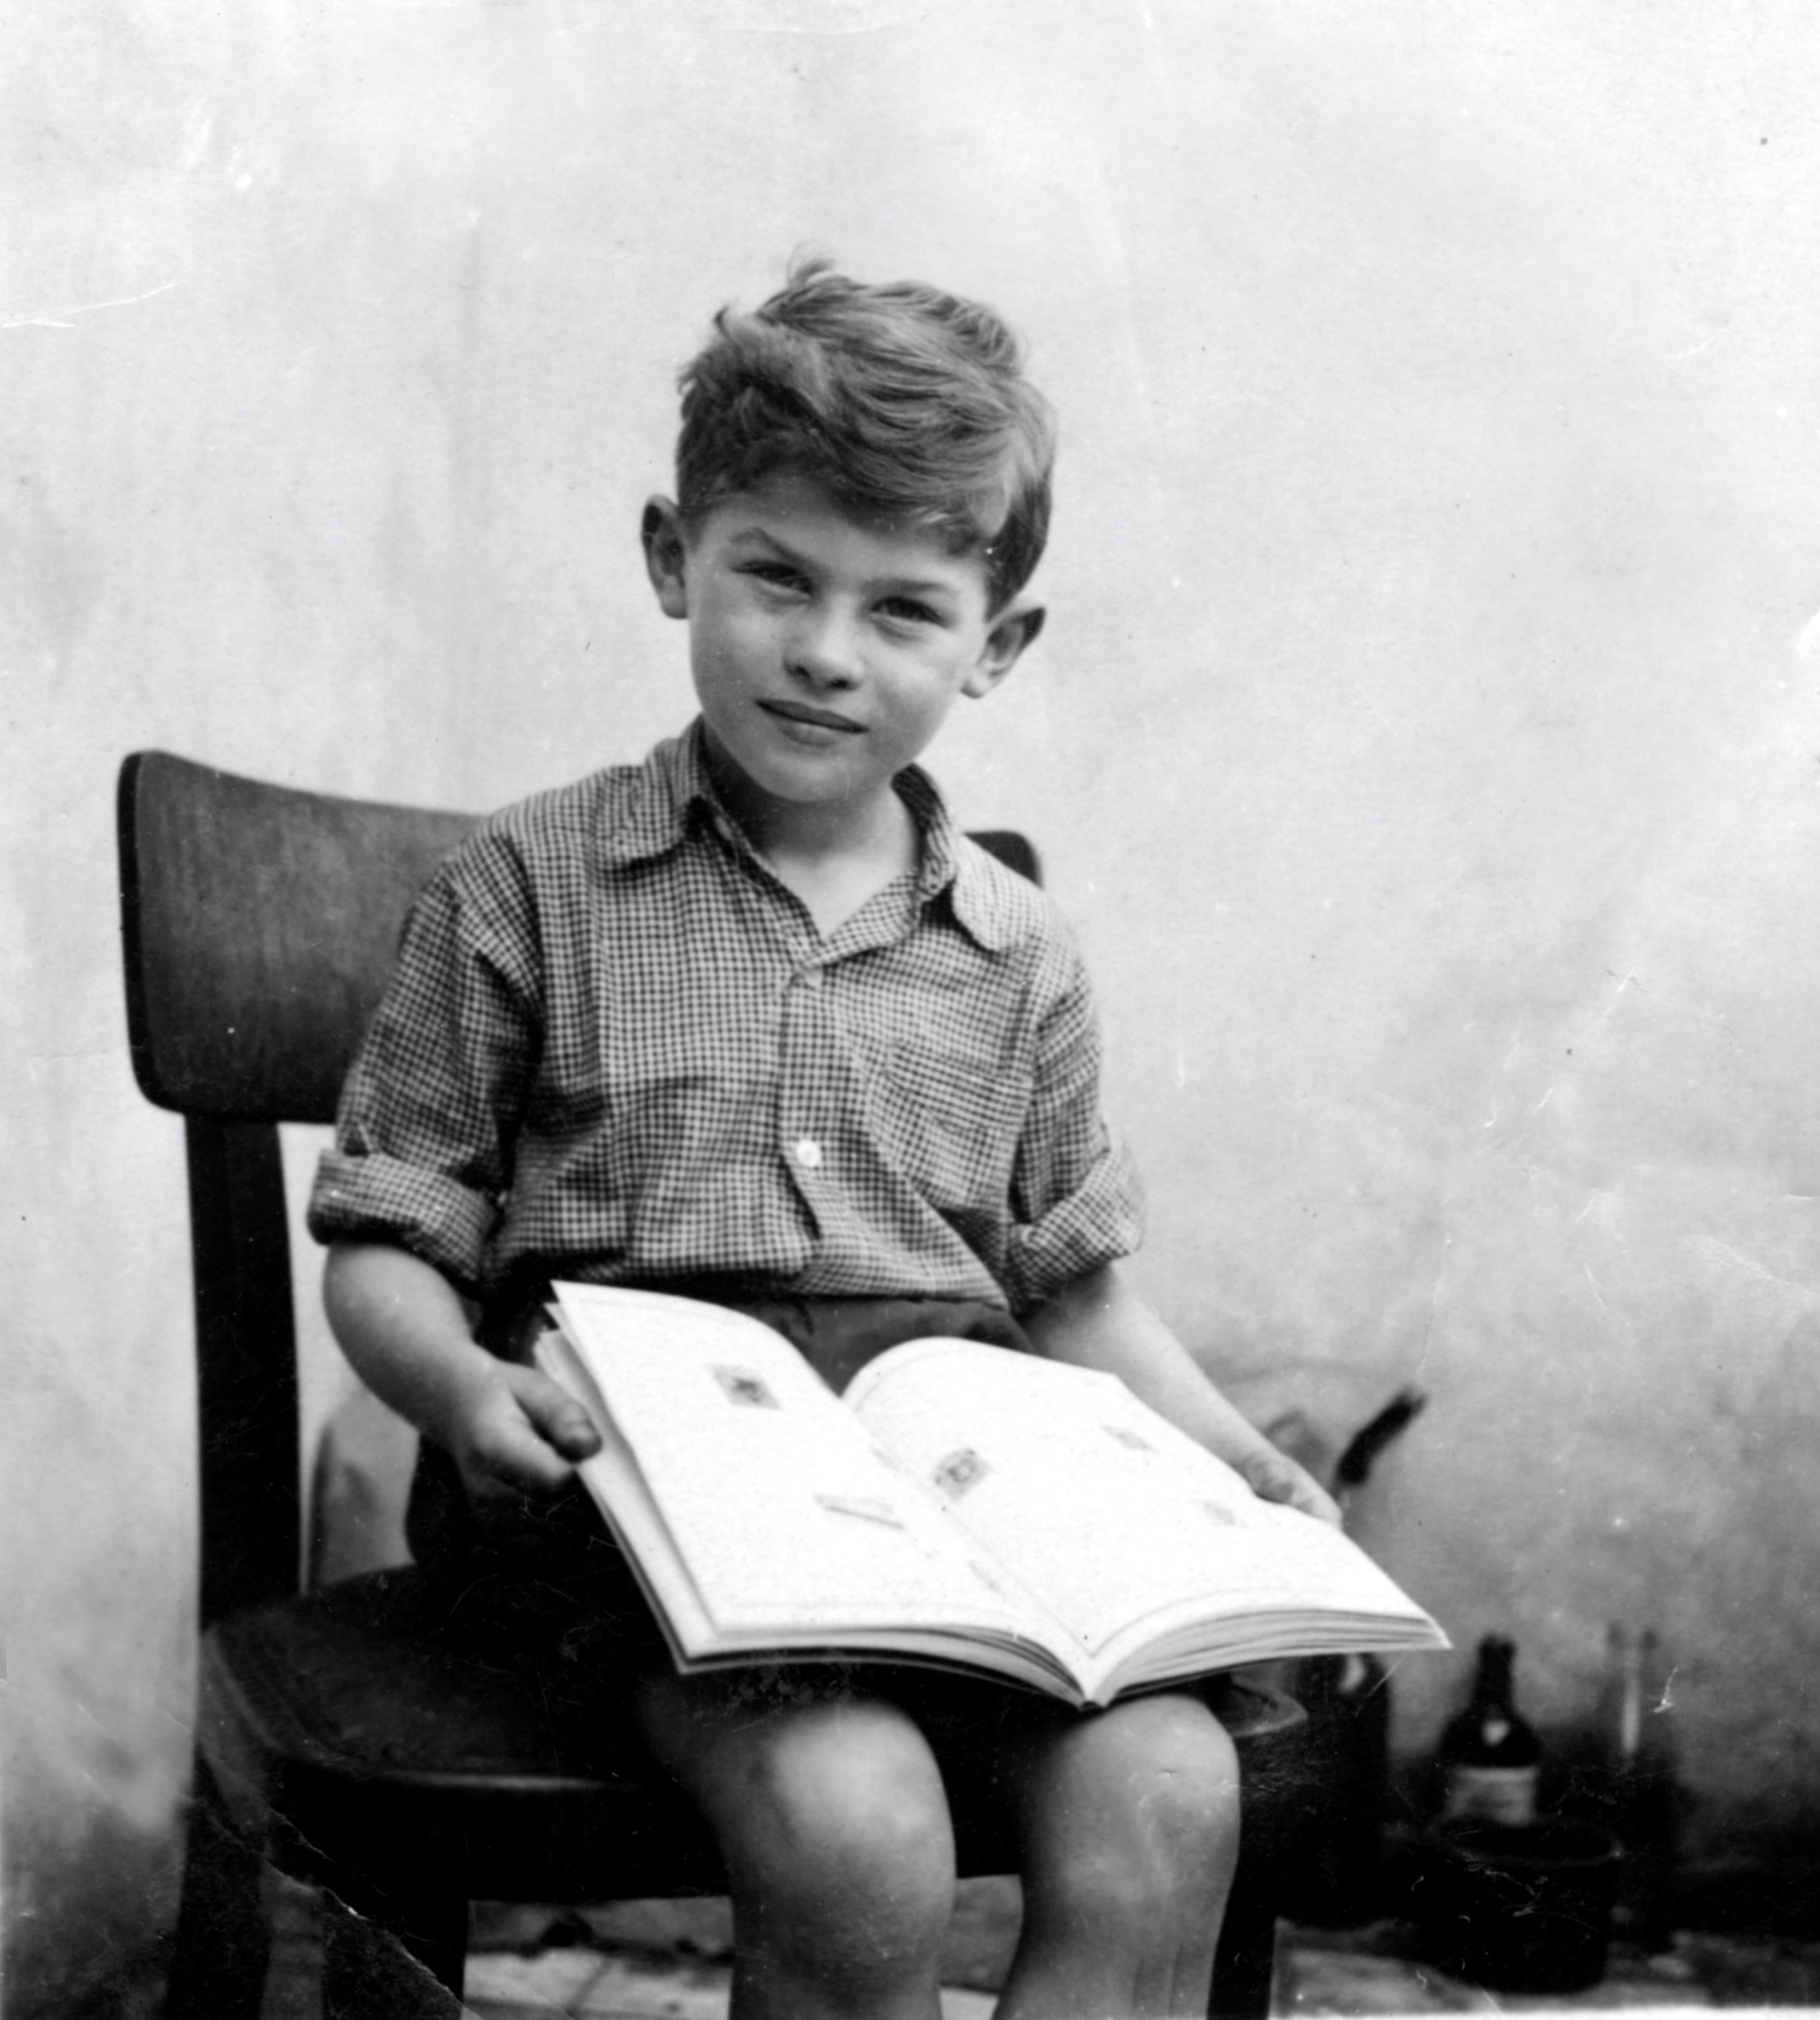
(543, 1583)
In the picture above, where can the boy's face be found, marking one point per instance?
(826, 649)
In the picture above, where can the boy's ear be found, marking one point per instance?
(666, 555)
(1011, 631)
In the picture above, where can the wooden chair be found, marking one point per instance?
(406, 1776)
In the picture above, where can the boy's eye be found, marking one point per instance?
(775, 574)
(907, 610)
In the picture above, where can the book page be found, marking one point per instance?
(788, 1521)
(1119, 1523)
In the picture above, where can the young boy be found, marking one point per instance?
(754, 1022)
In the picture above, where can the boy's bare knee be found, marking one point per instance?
(1137, 1819)
(853, 1790)
(834, 1827)
(1178, 1775)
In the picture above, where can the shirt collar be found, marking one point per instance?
(671, 783)
(674, 788)
(954, 863)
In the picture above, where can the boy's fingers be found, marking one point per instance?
(1273, 1476)
(554, 1413)
(522, 1436)
(508, 1457)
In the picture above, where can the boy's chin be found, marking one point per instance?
(806, 777)
(790, 789)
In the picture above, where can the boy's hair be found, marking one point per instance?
(904, 401)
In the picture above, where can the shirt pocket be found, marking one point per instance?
(950, 1124)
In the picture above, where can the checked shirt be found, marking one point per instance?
(616, 1048)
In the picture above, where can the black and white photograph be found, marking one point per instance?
(911, 1104)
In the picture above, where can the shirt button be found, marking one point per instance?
(810, 978)
(807, 1153)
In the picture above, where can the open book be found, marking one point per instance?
(961, 1504)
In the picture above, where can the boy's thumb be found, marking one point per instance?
(560, 1420)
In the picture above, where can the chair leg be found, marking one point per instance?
(409, 1972)
(1244, 1965)
(435, 1934)
(222, 1946)
(411, 1936)
(390, 1883)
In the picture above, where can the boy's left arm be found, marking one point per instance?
(1099, 1321)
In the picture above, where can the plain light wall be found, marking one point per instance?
(1420, 741)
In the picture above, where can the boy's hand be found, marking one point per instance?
(509, 1428)
(1099, 1322)
(1273, 1476)
(517, 1431)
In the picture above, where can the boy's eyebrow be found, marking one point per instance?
(762, 536)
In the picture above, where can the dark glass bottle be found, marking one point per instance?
(1489, 1754)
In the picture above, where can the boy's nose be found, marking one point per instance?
(825, 647)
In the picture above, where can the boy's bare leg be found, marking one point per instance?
(1129, 1823)
(830, 1815)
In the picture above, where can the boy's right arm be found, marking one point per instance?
(403, 1326)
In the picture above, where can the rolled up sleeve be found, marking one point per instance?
(432, 1108)
(1077, 1203)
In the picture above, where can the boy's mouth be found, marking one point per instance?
(802, 712)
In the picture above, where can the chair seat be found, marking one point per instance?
(470, 1750)
(487, 1756)
(361, 1678)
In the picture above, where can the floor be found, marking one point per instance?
(640, 1961)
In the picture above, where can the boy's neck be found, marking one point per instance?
(834, 855)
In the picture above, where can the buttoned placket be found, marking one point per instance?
(806, 1103)
(802, 1123)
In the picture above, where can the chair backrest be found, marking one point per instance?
(260, 924)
